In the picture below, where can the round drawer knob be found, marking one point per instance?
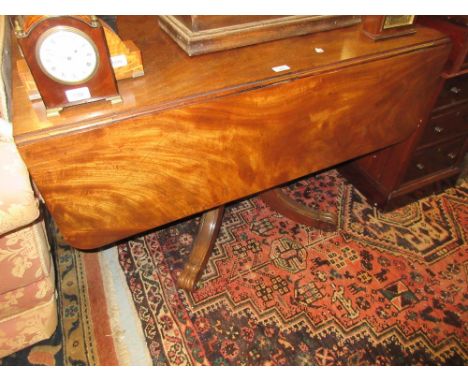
(452, 155)
(455, 90)
(420, 166)
(438, 129)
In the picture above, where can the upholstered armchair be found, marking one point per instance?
(28, 311)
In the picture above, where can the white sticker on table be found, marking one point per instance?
(77, 94)
(280, 68)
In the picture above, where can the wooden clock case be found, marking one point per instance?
(379, 27)
(102, 85)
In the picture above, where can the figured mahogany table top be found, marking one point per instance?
(172, 78)
(195, 133)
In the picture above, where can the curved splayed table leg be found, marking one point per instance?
(202, 247)
(289, 208)
(211, 222)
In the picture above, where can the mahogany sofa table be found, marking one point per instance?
(197, 132)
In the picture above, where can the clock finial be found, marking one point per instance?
(94, 21)
(19, 31)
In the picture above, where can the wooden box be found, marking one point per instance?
(205, 34)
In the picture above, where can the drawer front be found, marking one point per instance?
(446, 126)
(455, 91)
(433, 159)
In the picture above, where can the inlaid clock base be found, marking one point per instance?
(114, 100)
(211, 222)
(55, 111)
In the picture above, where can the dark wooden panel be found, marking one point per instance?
(378, 174)
(446, 126)
(433, 183)
(433, 159)
(454, 92)
(459, 37)
(198, 23)
(104, 184)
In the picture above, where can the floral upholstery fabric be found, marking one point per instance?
(25, 271)
(29, 328)
(24, 258)
(19, 300)
(18, 206)
(28, 311)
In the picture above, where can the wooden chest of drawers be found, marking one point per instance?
(441, 146)
(428, 161)
(445, 126)
(436, 150)
(453, 93)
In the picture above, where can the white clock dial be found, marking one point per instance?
(67, 55)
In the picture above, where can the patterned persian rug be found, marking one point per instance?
(385, 289)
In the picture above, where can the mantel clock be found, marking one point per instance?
(68, 58)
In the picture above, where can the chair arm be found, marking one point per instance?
(18, 205)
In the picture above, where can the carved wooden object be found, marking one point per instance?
(202, 247)
(276, 199)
